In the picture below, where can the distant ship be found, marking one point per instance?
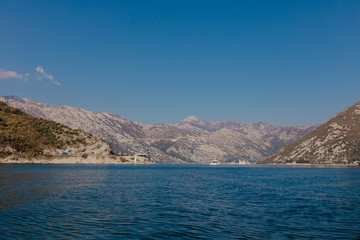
(215, 162)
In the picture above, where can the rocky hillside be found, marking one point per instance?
(23, 136)
(335, 142)
(190, 141)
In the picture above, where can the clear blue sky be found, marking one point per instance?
(284, 62)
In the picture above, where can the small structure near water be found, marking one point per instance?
(215, 163)
(141, 157)
(243, 162)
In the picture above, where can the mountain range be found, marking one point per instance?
(335, 142)
(189, 141)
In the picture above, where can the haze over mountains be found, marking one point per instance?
(190, 141)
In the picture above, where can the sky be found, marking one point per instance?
(284, 62)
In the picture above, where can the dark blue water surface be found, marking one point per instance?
(179, 202)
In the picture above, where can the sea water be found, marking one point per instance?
(178, 202)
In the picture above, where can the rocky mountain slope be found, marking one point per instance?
(335, 142)
(24, 136)
(190, 141)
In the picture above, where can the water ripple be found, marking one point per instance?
(178, 202)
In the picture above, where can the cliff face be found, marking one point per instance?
(24, 136)
(335, 142)
(190, 141)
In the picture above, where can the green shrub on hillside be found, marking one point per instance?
(29, 136)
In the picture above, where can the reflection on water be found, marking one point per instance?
(181, 201)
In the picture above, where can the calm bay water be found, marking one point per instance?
(179, 202)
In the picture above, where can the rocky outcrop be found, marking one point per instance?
(335, 142)
(190, 141)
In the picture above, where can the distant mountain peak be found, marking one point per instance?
(192, 118)
(18, 99)
(15, 99)
(12, 97)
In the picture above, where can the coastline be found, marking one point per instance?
(307, 165)
(95, 159)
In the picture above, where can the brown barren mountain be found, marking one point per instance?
(335, 142)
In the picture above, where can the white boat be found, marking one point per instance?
(215, 162)
(243, 162)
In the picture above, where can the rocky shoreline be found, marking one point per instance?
(308, 165)
(95, 159)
